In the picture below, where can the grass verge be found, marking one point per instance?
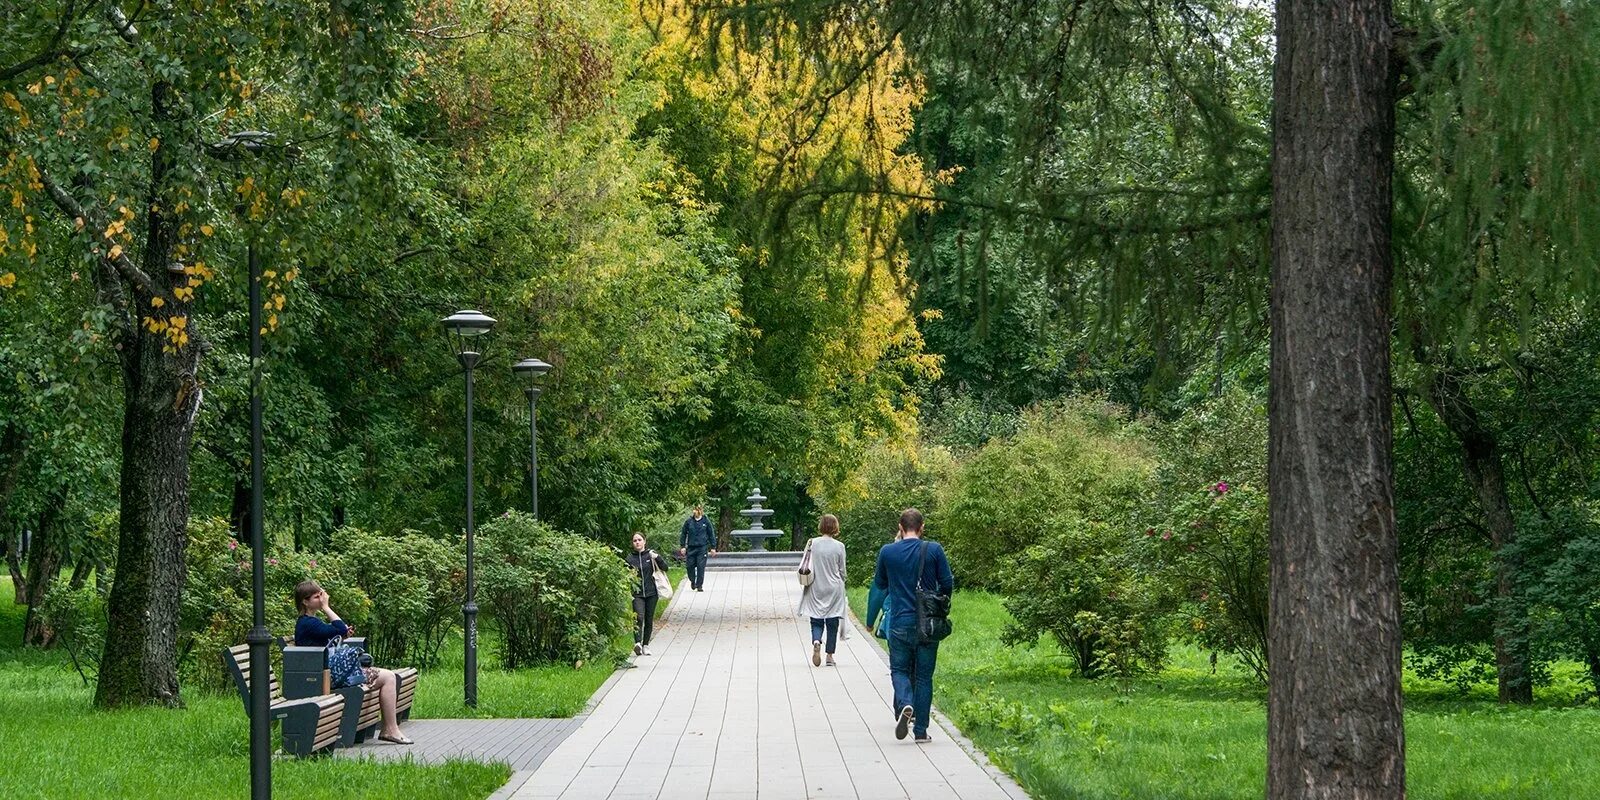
(1188, 734)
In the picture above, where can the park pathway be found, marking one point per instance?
(730, 707)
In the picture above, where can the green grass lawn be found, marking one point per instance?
(54, 744)
(1192, 735)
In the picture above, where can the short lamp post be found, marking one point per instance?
(466, 328)
(531, 369)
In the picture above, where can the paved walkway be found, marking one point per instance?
(730, 707)
(522, 743)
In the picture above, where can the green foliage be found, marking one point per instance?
(414, 583)
(216, 610)
(889, 480)
(1206, 527)
(1074, 464)
(553, 596)
(78, 616)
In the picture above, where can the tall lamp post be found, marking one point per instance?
(236, 146)
(531, 369)
(467, 326)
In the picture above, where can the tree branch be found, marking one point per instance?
(51, 51)
(75, 211)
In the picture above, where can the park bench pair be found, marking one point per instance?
(313, 716)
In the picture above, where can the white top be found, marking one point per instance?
(825, 596)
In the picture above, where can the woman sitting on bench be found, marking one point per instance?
(310, 631)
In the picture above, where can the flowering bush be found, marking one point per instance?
(216, 613)
(1207, 531)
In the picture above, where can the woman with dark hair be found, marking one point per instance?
(823, 600)
(645, 595)
(343, 666)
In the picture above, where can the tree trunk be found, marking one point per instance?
(725, 512)
(44, 564)
(239, 509)
(1334, 705)
(19, 582)
(140, 660)
(1480, 459)
(160, 399)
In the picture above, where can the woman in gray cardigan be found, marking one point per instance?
(824, 599)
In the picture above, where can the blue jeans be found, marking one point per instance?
(911, 670)
(832, 624)
(695, 558)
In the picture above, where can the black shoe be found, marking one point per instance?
(924, 739)
(698, 589)
(903, 724)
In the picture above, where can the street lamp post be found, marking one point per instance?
(467, 326)
(532, 368)
(237, 146)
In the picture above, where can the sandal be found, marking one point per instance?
(391, 739)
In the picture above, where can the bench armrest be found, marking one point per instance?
(305, 672)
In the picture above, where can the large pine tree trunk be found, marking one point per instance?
(1334, 707)
(1480, 458)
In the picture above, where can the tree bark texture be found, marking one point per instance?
(1480, 460)
(1334, 706)
(160, 400)
(44, 564)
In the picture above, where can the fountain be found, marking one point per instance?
(757, 534)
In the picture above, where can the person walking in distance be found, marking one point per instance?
(695, 542)
(902, 565)
(644, 562)
(823, 600)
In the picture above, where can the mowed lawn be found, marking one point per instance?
(1191, 735)
(54, 744)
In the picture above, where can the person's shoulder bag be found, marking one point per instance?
(663, 582)
(933, 609)
(804, 574)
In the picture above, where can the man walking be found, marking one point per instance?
(696, 540)
(902, 565)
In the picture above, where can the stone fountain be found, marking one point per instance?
(757, 534)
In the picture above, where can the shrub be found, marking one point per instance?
(416, 584)
(78, 617)
(216, 608)
(1083, 585)
(1074, 462)
(554, 596)
(1206, 529)
(890, 480)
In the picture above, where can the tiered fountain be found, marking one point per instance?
(757, 534)
(758, 557)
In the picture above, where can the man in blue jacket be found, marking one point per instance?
(695, 541)
(911, 661)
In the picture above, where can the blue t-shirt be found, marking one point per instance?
(897, 574)
(312, 632)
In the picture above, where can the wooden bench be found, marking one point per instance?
(310, 725)
(306, 675)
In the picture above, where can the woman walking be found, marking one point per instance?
(644, 563)
(823, 600)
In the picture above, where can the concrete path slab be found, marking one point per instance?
(729, 706)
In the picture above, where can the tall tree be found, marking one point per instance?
(1334, 727)
(111, 120)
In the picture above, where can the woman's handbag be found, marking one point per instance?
(663, 583)
(345, 664)
(805, 568)
(933, 609)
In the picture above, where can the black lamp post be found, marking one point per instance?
(467, 326)
(237, 146)
(531, 369)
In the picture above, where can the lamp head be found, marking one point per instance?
(530, 368)
(466, 327)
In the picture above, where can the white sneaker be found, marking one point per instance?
(647, 651)
(638, 649)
